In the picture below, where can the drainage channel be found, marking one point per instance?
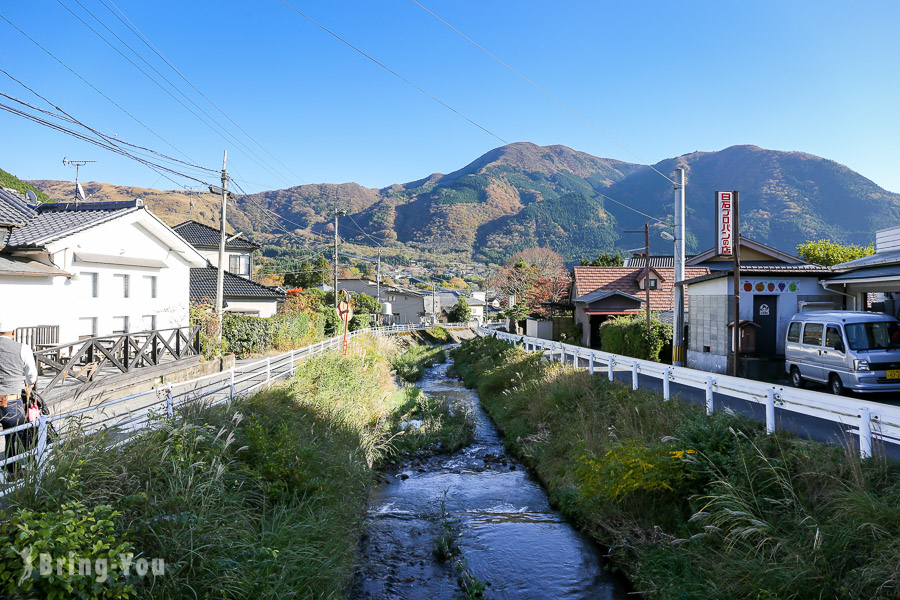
(505, 535)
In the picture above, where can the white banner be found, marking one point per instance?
(724, 223)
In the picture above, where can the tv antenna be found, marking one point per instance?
(77, 164)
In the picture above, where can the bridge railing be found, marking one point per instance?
(127, 415)
(866, 420)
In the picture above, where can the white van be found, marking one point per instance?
(847, 350)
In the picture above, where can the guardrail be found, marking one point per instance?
(866, 420)
(132, 413)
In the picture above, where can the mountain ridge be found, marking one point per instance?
(521, 195)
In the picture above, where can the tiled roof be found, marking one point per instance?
(54, 221)
(203, 287)
(655, 261)
(625, 280)
(14, 211)
(199, 235)
(603, 294)
(887, 257)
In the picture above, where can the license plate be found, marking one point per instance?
(893, 374)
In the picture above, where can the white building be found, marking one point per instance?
(92, 268)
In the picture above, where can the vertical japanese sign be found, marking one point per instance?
(724, 223)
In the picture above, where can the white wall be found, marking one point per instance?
(265, 308)
(69, 302)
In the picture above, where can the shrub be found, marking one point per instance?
(628, 335)
(630, 468)
(73, 533)
(245, 334)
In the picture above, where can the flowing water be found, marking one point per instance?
(508, 536)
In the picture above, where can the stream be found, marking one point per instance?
(508, 536)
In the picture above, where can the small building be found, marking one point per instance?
(449, 300)
(238, 249)
(774, 286)
(92, 268)
(239, 295)
(872, 281)
(407, 306)
(599, 293)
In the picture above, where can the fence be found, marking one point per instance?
(129, 414)
(866, 420)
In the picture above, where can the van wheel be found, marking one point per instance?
(796, 378)
(836, 385)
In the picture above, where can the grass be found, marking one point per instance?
(419, 422)
(694, 506)
(263, 497)
(410, 365)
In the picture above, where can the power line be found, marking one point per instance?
(140, 35)
(391, 71)
(540, 89)
(163, 88)
(93, 87)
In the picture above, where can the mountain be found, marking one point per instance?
(524, 195)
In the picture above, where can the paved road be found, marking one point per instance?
(800, 425)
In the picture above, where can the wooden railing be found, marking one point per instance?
(126, 352)
(38, 337)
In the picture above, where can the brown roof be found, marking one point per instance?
(626, 279)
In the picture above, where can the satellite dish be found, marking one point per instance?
(79, 192)
(32, 197)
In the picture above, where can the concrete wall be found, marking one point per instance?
(539, 328)
(264, 308)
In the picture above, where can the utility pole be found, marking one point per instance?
(337, 213)
(736, 250)
(678, 329)
(220, 274)
(378, 284)
(646, 232)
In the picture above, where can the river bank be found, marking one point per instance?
(694, 506)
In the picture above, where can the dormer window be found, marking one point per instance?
(654, 283)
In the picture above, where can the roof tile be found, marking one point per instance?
(625, 280)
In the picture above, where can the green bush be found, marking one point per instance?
(245, 335)
(628, 336)
(85, 539)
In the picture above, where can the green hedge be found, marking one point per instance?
(245, 334)
(628, 336)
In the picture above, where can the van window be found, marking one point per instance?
(833, 336)
(812, 334)
(877, 335)
(794, 332)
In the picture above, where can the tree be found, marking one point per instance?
(828, 253)
(461, 313)
(366, 304)
(534, 276)
(456, 283)
(604, 260)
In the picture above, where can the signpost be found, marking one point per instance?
(728, 235)
(345, 312)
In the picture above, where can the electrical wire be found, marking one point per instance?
(93, 87)
(140, 35)
(391, 71)
(163, 88)
(540, 89)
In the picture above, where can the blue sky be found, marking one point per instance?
(661, 78)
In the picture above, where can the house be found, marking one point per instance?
(449, 300)
(774, 286)
(238, 249)
(92, 268)
(602, 292)
(404, 305)
(240, 294)
(876, 276)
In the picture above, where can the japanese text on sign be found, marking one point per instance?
(724, 223)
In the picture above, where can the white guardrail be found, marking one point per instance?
(131, 413)
(866, 420)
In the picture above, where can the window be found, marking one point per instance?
(125, 281)
(120, 324)
(87, 327)
(833, 337)
(149, 322)
(239, 264)
(812, 334)
(875, 335)
(794, 332)
(654, 284)
(91, 284)
(151, 285)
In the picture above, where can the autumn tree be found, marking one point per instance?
(534, 276)
(828, 253)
